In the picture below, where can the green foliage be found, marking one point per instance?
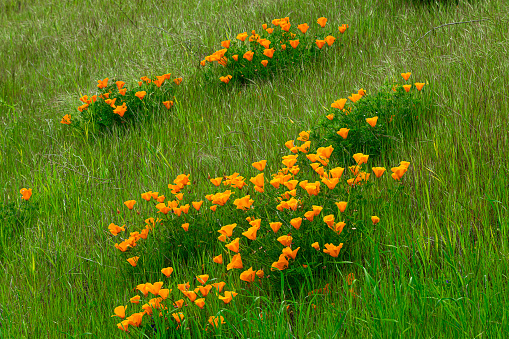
(115, 105)
(397, 112)
(272, 46)
(14, 218)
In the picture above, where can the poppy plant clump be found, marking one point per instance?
(116, 104)
(367, 123)
(269, 49)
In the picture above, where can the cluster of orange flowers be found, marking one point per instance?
(222, 57)
(121, 108)
(161, 298)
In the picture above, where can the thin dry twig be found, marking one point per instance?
(449, 24)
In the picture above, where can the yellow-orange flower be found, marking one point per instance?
(343, 28)
(360, 158)
(133, 261)
(378, 171)
(296, 222)
(375, 219)
(185, 226)
(216, 321)
(102, 83)
(259, 165)
(316, 246)
(286, 27)
(119, 312)
(225, 44)
(177, 81)
(130, 204)
(242, 36)
(285, 240)
(329, 220)
(140, 95)
(114, 229)
(248, 275)
(218, 259)
(167, 271)
(234, 245)
(407, 88)
(235, 263)
(341, 205)
(269, 52)
(281, 264)
(372, 121)
(120, 110)
(228, 296)
(330, 116)
(406, 76)
(235, 57)
(202, 279)
(66, 119)
(227, 230)
(322, 21)
(275, 226)
(339, 104)
(248, 55)
(343, 132)
(25, 193)
(332, 250)
(303, 28)
(251, 233)
(330, 40)
(265, 63)
(226, 79)
(294, 43)
(320, 43)
(289, 253)
(419, 85)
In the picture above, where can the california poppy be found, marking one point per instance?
(320, 43)
(316, 246)
(133, 261)
(120, 110)
(285, 240)
(419, 85)
(406, 76)
(225, 44)
(330, 116)
(234, 245)
(338, 228)
(336, 172)
(339, 104)
(265, 63)
(119, 312)
(250, 233)
(322, 21)
(332, 250)
(248, 55)
(227, 230)
(355, 97)
(407, 88)
(130, 204)
(202, 279)
(167, 271)
(264, 42)
(216, 321)
(236, 262)
(140, 94)
(286, 27)
(303, 28)
(375, 219)
(372, 121)
(296, 222)
(259, 165)
(226, 79)
(177, 81)
(228, 296)
(341, 205)
(329, 220)
(289, 253)
(317, 209)
(168, 104)
(26, 193)
(102, 83)
(248, 275)
(281, 264)
(343, 132)
(242, 36)
(66, 119)
(378, 171)
(218, 259)
(360, 158)
(135, 299)
(343, 28)
(185, 226)
(275, 226)
(330, 40)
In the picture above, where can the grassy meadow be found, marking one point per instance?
(436, 265)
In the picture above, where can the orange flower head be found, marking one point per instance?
(332, 250)
(281, 264)
(133, 261)
(316, 246)
(248, 275)
(375, 219)
(140, 95)
(226, 79)
(378, 171)
(320, 43)
(234, 245)
(289, 253)
(235, 263)
(296, 222)
(227, 230)
(216, 321)
(329, 220)
(242, 36)
(26, 193)
(102, 83)
(202, 279)
(406, 76)
(343, 132)
(341, 205)
(167, 271)
(360, 158)
(248, 55)
(251, 233)
(343, 28)
(265, 63)
(119, 312)
(225, 44)
(322, 21)
(419, 85)
(407, 88)
(130, 204)
(275, 226)
(339, 104)
(218, 259)
(303, 28)
(66, 119)
(330, 40)
(168, 104)
(285, 240)
(372, 121)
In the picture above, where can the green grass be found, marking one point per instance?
(436, 268)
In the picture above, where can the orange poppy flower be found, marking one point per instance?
(168, 104)
(283, 47)
(265, 43)
(135, 299)
(119, 312)
(285, 240)
(378, 171)
(339, 227)
(330, 40)
(332, 250)
(115, 229)
(275, 226)
(248, 275)
(242, 36)
(265, 63)
(341, 205)
(120, 110)
(218, 259)
(343, 132)
(235, 57)
(216, 321)
(316, 246)
(203, 62)
(102, 83)
(339, 104)
(178, 317)
(294, 43)
(375, 219)
(329, 220)
(343, 28)
(228, 296)
(320, 43)
(317, 209)
(309, 215)
(355, 97)
(66, 119)
(227, 230)
(167, 271)
(296, 222)
(133, 261)
(130, 204)
(259, 165)
(360, 158)
(406, 76)
(372, 121)
(234, 245)
(419, 85)
(289, 253)
(286, 27)
(226, 79)
(404, 164)
(407, 88)
(281, 264)
(225, 44)
(178, 81)
(140, 94)
(202, 279)
(235, 263)
(303, 28)
(251, 233)
(322, 21)
(185, 226)
(248, 55)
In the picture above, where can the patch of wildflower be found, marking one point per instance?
(368, 123)
(116, 104)
(269, 49)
